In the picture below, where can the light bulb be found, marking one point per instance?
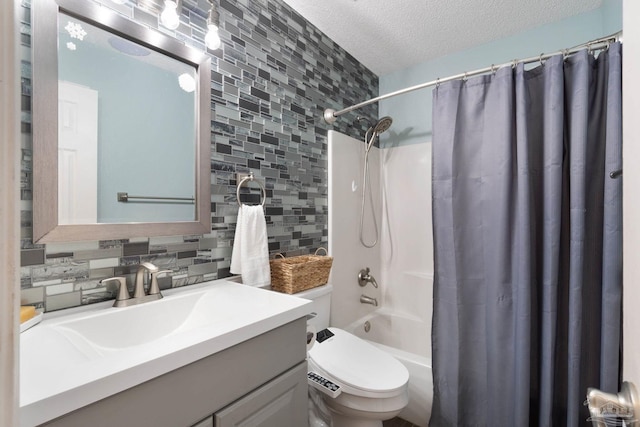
(212, 39)
(169, 15)
(187, 82)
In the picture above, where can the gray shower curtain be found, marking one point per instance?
(528, 242)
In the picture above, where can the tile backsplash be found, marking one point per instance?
(271, 80)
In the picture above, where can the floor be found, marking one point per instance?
(397, 422)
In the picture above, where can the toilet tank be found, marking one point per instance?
(321, 297)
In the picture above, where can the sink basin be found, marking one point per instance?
(69, 361)
(120, 328)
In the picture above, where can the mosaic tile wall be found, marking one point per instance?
(271, 80)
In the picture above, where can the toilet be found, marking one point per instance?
(360, 384)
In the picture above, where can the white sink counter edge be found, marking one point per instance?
(98, 379)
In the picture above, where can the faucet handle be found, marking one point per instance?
(154, 288)
(364, 277)
(151, 267)
(123, 292)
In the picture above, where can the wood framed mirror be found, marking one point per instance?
(121, 128)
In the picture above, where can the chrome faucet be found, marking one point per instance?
(368, 300)
(139, 283)
(124, 299)
(364, 277)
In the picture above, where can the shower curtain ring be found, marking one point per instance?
(464, 78)
(493, 69)
(541, 61)
(438, 82)
(514, 64)
(565, 54)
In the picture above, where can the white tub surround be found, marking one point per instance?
(346, 163)
(406, 258)
(73, 360)
(402, 262)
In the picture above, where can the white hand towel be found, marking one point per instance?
(250, 256)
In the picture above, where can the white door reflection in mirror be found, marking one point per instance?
(77, 154)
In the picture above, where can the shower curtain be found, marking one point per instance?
(528, 242)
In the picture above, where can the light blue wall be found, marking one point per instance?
(411, 112)
(612, 16)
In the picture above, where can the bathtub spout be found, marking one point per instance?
(368, 300)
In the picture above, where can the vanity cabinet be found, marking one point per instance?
(259, 382)
(275, 404)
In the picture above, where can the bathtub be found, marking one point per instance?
(408, 339)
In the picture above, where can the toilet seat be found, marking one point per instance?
(358, 366)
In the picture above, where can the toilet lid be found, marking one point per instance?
(357, 363)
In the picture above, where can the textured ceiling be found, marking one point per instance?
(389, 35)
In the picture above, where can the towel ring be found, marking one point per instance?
(242, 178)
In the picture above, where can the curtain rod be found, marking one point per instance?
(330, 115)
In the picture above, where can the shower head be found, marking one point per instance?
(382, 125)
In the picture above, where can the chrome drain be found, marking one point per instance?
(367, 326)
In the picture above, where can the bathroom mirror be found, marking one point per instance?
(121, 127)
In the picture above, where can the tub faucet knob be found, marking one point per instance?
(364, 277)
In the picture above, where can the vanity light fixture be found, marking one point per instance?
(169, 16)
(212, 38)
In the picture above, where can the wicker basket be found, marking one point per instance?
(298, 273)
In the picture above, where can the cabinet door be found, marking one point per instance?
(280, 402)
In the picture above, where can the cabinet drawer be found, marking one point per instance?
(280, 402)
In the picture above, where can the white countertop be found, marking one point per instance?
(61, 370)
